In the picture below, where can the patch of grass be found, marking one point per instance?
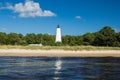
(75, 48)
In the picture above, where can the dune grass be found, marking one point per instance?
(75, 48)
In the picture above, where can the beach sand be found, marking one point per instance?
(59, 53)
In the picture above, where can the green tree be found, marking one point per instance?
(48, 39)
(22, 39)
(118, 36)
(3, 38)
(79, 40)
(31, 38)
(117, 43)
(72, 41)
(105, 37)
(39, 38)
(88, 38)
(13, 39)
(65, 40)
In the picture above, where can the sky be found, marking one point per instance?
(75, 17)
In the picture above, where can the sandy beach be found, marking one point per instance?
(59, 53)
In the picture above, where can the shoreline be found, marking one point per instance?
(59, 53)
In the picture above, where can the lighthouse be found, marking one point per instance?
(58, 34)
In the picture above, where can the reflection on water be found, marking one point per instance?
(58, 66)
(52, 68)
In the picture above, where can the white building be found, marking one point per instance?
(58, 35)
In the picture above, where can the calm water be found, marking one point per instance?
(51, 68)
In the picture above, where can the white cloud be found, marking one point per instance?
(14, 17)
(116, 30)
(78, 17)
(8, 6)
(29, 9)
(3, 29)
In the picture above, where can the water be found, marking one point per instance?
(52, 68)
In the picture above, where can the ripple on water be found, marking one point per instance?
(52, 68)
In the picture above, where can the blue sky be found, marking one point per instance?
(75, 17)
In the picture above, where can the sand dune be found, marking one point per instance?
(59, 53)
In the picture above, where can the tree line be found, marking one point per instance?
(104, 37)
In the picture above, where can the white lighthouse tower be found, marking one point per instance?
(58, 34)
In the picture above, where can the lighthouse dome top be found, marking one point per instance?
(58, 26)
